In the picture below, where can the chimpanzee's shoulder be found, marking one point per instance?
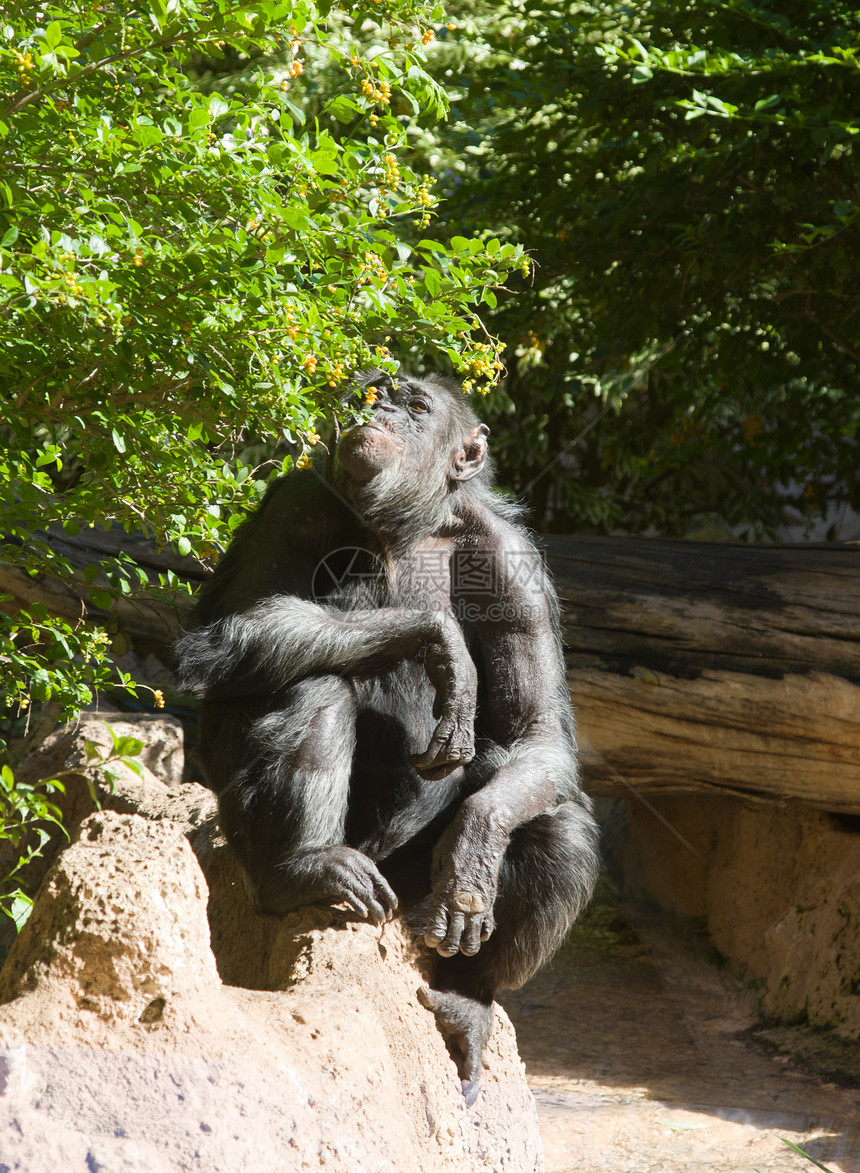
(302, 500)
(494, 526)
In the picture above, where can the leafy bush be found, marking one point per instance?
(685, 176)
(189, 276)
(183, 272)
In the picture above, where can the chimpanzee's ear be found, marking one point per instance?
(469, 460)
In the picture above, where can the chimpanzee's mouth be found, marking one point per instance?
(356, 432)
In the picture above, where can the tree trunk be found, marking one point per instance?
(690, 664)
(727, 666)
(151, 616)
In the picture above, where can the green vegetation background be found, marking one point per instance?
(643, 217)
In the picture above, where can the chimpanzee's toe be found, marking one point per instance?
(465, 1025)
(470, 1089)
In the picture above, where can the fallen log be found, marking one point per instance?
(695, 665)
(151, 616)
(691, 664)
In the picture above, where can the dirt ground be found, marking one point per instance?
(644, 1057)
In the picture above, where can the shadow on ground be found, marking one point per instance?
(645, 1056)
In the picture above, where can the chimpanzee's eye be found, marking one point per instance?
(418, 405)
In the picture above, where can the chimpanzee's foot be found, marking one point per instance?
(465, 1025)
(326, 875)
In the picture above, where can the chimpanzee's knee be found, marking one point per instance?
(291, 784)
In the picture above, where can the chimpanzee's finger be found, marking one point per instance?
(448, 749)
(385, 894)
(376, 914)
(436, 773)
(355, 904)
(431, 767)
(434, 754)
(487, 926)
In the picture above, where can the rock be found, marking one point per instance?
(777, 884)
(118, 933)
(158, 792)
(121, 1049)
(163, 750)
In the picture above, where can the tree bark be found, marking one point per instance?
(697, 665)
(690, 664)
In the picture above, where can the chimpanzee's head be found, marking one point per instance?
(421, 444)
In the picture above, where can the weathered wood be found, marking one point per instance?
(714, 665)
(150, 618)
(690, 664)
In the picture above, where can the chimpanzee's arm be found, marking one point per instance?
(531, 770)
(284, 639)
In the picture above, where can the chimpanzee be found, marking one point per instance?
(385, 717)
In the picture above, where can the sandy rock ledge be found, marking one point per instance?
(128, 1046)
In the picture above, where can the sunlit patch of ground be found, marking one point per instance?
(639, 1049)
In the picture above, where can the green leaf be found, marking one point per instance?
(126, 746)
(432, 282)
(20, 908)
(344, 109)
(325, 163)
(217, 105)
(53, 34)
(801, 1153)
(767, 103)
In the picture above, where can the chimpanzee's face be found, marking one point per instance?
(406, 431)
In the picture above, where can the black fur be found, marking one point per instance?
(403, 736)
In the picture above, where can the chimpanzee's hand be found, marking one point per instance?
(331, 875)
(465, 878)
(452, 673)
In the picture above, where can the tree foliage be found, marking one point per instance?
(686, 178)
(184, 271)
(191, 270)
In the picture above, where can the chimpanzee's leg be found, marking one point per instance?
(547, 877)
(282, 775)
